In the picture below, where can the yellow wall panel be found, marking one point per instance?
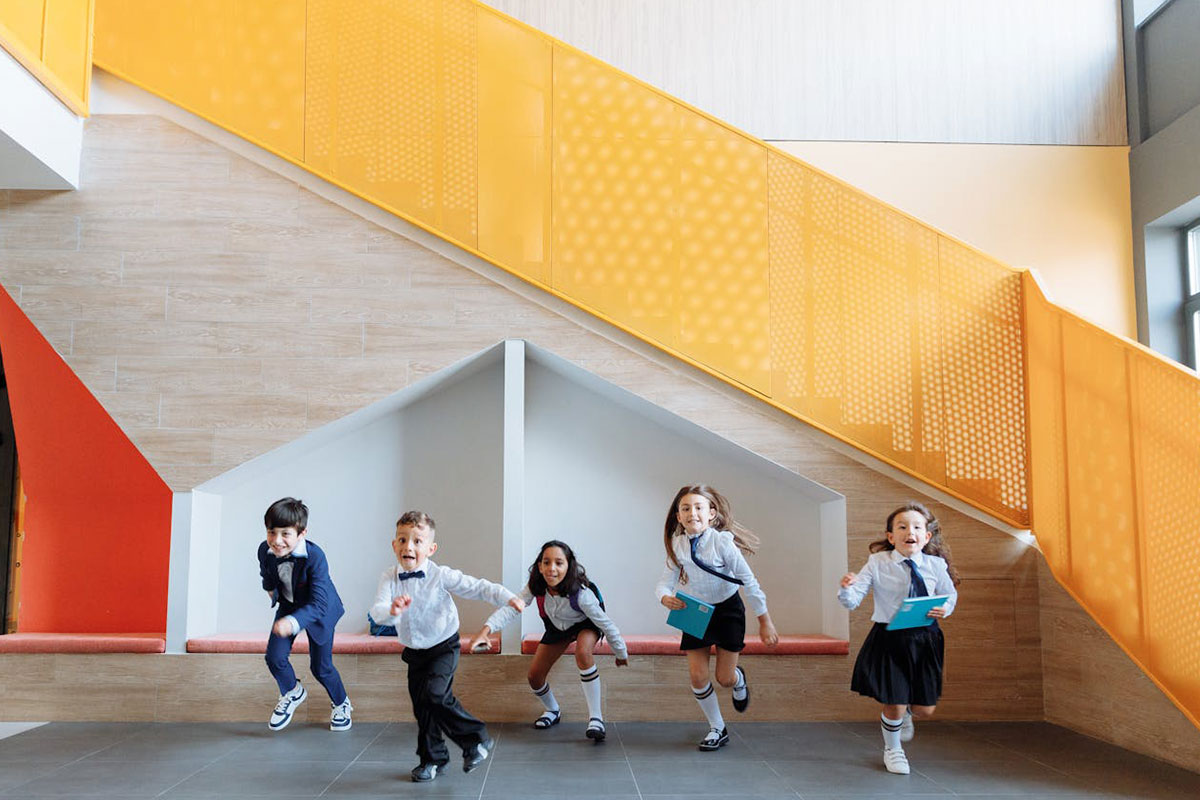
(1105, 569)
(514, 146)
(66, 44)
(23, 18)
(263, 73)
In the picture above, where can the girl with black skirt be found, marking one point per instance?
(705, 560)
(902, 669)
(572, 611)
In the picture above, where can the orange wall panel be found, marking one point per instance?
(97, 517)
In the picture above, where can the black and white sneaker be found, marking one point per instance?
(339, 716)
(285, 709)
(714, 739)
(476, 755)
(595, 730)
(425, 772)
(740, 705)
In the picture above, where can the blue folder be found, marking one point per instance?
(913, 612)
(692, 618)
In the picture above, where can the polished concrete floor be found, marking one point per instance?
(639, 760)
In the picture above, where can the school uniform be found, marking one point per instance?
(715, 570)
(900, 667)
(428, 629)
(563, 621)
(302, 593)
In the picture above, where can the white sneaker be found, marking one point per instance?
(895, 760)
(286, 707)
(906, 727)
(339, 718)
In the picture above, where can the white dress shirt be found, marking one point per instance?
(563, 616)
(889, 576)
(432, 617)
(717, 550)
(284, 570)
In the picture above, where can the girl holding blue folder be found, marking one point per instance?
(902, 668)
(705, 554)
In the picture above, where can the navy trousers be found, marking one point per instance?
(320, 660)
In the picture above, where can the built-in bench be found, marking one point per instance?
(343, 643)
(666, 644)
(83, 643)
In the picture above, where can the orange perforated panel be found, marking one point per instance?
(1047, 424)
(1104, 553)
(1168, 430)
(984, 380)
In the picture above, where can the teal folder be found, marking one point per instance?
(692, 618)
(913, 612)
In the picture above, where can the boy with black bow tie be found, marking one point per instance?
(414, 595)
(295, 576)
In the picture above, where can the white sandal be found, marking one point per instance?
(548, 719)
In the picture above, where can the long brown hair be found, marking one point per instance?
(936, 546)
(743, 537)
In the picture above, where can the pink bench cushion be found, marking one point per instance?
(666, 644)
(357, 643)
(83, 643)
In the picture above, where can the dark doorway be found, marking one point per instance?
(8, 480)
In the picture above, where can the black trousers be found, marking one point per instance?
(431, 687)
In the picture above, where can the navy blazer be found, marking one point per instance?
(317, 606)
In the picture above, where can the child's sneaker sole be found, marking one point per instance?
(288, 711)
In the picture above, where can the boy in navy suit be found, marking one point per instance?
(295, 575)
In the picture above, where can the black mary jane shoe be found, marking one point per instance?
(595, 730)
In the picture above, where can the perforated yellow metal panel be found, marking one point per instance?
(1167, 427)
(392, 107)
(65, 43)
(615, 190)
(514, 146)
(264, 72)
(1104, 559)
(1047, 425)
(984, 380)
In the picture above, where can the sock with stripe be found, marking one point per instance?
(547, 697)
(739, 688)
(707, 699)
(891, 731)
(589, 681)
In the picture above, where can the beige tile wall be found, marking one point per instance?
(218, 310)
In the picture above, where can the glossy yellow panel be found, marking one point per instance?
(1047, 428)
(616, 185)
(514, 146)
(724, 273)
(1105, 569)
(983, 380)
(66, 42)
(1167, 427)
(23, 18)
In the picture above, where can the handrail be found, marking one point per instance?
(52, 39)
(713, 246)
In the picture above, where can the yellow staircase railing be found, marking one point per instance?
(53, 40)
(727, 253)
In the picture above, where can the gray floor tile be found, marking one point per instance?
(852, 778)
(111, 779)
(1016, 775)
(65, 741)
(579, 778)
(306, 741)
(269, 777)
(364, 779)
(13, 775)
(516, 742)
(732, 776)
(799, 740)
(1131, 775)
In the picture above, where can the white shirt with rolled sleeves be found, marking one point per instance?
(563, 616)
(432, 617)
(717, 550)
(888, 575)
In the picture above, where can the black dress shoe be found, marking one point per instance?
(425, 772)
(476, 755)
(740, 705)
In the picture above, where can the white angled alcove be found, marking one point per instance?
(506, 449)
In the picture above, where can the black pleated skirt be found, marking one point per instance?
(901, 667)
(555, 635)
(726, 629)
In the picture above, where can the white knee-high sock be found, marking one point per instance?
(891, 731)
(739, 687)
(547, 697)
(589, 681)
(707, 699)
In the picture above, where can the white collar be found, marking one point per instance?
(300, 550)
(709, 529)
(918, 557)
